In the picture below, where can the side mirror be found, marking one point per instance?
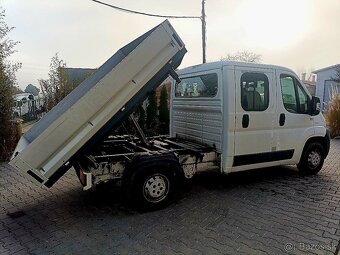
(315, 106)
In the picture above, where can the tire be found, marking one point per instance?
(312, 159)
(152, 185)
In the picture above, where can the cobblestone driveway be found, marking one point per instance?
(268, 211)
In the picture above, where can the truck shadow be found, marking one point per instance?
(283, 182)
(108, 197)
(275, 180)
(216, 180)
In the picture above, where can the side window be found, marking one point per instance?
(294, 97)
(204, 85)
(254, 91)
(303, 100)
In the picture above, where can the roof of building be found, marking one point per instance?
(325, 68)
(76, 74)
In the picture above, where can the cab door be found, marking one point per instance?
(255, 95)
(294, 125)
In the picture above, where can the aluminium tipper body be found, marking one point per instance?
(98, 104)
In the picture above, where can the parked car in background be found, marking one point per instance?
(26, 106)
(21, 104)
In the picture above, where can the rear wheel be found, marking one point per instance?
(156, 188)
(152, 185)
(312, 159)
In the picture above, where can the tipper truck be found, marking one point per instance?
(224, 116)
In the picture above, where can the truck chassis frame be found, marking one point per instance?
(113, 155)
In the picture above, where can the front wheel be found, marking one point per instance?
(312, 159)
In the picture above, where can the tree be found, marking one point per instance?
(151, 110)
(53, 88)
(32, 89)
(8, 134)
(164, 111)
(244, 56)
(141, 116)
(72, 77)
(16, 90)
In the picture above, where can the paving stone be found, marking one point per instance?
(255, 212)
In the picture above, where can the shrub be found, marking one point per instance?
(151, 111)
(333, 115)
(163, 111)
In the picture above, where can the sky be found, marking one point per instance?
(303, 35)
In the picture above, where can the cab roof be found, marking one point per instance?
(220, 64)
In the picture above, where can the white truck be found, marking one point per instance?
(224, 116)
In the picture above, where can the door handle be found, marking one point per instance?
(282, 119)
(245, 121)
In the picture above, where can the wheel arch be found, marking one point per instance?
(323, 140)
(168, 159)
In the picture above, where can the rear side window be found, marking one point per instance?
(204, 85)
(254, 91)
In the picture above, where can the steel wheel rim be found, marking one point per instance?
(314, 159)
(156, 188)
